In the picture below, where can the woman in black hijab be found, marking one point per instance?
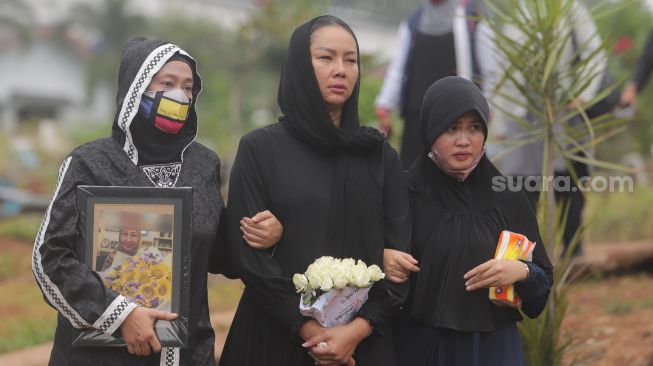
(338, 190)
(457, 217)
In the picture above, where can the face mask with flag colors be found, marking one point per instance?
(166, 110)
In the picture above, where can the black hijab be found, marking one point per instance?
(456, 224)
(306, 117)
(305, 114)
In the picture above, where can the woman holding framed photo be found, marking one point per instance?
(152, 145)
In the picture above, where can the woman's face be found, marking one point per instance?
(173, 75)
(335, 61)
(462, 142)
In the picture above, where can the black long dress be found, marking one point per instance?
(275, 171)
(456, 226)
(337, 191)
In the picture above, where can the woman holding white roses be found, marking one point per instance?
(338, 190)
(458, 216)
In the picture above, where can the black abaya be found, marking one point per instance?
(456, 226)
(337, 191)
(275, 171)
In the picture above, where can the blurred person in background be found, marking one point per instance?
(640, 76)
(152, 145)
(433, 42)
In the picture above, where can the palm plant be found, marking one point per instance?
(532, 40)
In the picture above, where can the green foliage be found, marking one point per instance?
(531, 38)
(115, 24)
(631, 22)
(29, 333)
(13, 265)
(16, 18)
(621, 216)
(22, 227)
(32, 321)
(618, 308)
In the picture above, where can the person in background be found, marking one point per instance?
(640, 75)
(433, 42)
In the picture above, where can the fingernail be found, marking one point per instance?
(304, 344)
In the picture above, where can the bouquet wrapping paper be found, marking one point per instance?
(333, 290)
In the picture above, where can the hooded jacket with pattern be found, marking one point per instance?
(72, 287)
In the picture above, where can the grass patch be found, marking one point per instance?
(13, 265)
(224, 294)
(647, 304)
(29, 332)
(28, 319)
(620, 216)
(618, 308)
(21, 227)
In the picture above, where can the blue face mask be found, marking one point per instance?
(166, 110)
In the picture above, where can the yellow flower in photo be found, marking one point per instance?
(156, 272)
(163, 290)
(147, 292)
(145, 279)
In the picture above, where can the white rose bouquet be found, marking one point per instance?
(333, 290)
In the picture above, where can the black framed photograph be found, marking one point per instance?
(137, 240)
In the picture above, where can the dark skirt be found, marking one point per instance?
(256, 340)
(418, 344)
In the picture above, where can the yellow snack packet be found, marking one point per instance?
(510, 246)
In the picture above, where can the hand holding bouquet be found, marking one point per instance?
(333, 290)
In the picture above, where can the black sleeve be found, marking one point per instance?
(534, 291)
(69, 285)
(644, 65)
(220, 258)
(262, 275)
(386, 297)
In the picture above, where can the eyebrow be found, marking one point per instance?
(173, 75)
(331, 50)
